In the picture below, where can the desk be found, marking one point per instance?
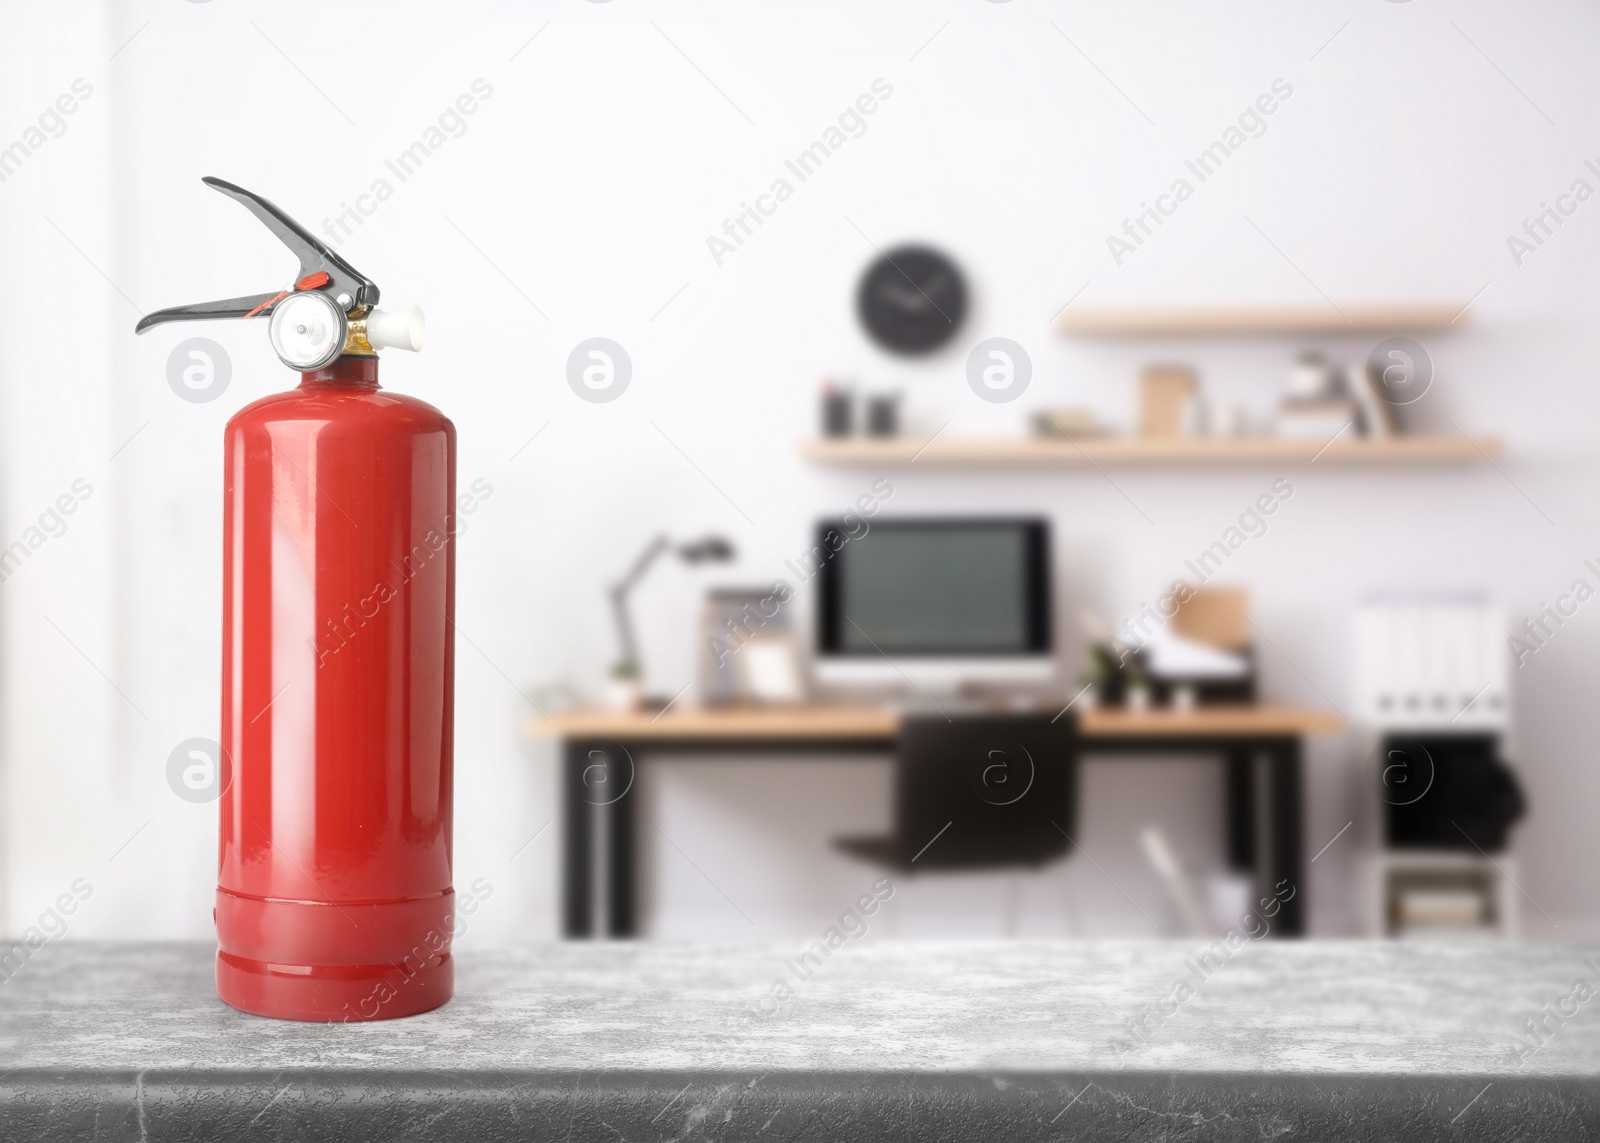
(602, 752)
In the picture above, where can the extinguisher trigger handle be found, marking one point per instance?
(250, 305)
(354, 289)
(320, 269)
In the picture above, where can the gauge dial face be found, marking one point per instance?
(308, 330)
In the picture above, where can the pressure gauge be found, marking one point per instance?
(308, 330)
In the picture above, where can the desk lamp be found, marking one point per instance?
(706, 550)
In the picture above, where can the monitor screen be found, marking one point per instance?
(947, 588)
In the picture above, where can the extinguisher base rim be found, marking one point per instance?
(333, 993)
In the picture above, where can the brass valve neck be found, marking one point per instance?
(355, 340)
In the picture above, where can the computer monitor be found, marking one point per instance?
(939, 603)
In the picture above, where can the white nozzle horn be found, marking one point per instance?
(397, 329)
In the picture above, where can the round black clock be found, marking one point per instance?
(912, 300)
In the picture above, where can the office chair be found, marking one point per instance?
(982, 791)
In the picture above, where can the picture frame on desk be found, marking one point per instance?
(748, 652)
(770, 671)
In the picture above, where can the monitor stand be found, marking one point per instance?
(969, 699)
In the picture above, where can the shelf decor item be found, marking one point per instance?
(1070, 422)
(883, 415)
(1166, 401)
(1308, 378)
(838, 410)
(1377, 412)
(1318, 420)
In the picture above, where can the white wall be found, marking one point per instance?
(592, 177)
(68, 782)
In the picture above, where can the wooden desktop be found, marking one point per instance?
(816, 723)
(603, 749)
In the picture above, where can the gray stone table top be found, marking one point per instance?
(1017, 1040)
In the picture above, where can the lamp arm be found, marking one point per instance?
(620, 591)
(627, 646)
(652, 552)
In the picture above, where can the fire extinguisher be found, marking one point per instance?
(334, 899)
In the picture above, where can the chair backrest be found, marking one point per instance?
(985, 790)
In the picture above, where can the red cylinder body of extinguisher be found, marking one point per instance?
(334, 898)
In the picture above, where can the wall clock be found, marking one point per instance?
(911, 300)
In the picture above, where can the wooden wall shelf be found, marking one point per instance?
(1139, 450)
(1181, 321)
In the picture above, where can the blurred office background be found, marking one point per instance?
(607, 143)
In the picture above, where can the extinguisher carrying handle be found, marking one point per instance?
(352, 290)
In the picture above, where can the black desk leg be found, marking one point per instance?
(598, 881)
(577, 887)
(619, 856)
(1241, 809)
(1285, 868)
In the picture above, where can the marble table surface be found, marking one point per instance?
(1015, 1040)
